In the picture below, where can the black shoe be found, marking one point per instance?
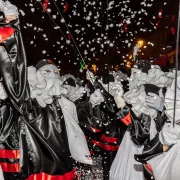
(151, 150)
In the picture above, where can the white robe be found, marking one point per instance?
(167, 165)
(76, 138)
(124, 166)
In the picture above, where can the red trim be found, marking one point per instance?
(109, 139)
(43, 176)
(5, 33)
(105, 147)
(11, 154)
(149, 167)
(6, 167)
(127, 119)
(95, 130)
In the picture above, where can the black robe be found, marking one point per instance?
(43, 143)
(101, 125)
(33, 135)
(13, 76)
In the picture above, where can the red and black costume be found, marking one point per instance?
(33, 140)
(13, 75)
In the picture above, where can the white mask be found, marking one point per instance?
(50, 72)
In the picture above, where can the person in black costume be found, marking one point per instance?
(90, 120)
(13, 78)
(43, 138)
(112, 128)
(145, 118)
(33, 136)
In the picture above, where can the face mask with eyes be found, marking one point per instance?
(52, 77)
(49, 72)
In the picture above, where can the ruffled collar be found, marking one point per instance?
(155, 76)
(43, 89)
(136, 98)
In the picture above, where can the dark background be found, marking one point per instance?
(40, 35)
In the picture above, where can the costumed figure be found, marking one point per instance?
(13, 82)
(49, 134)
(146, 98)
(154, 147)
(165, 159)
(90, 120)
(112, 128)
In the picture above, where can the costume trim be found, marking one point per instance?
(5, 33)
(127, 119)
(6, 167)
(10, 154)
(104, 146)
(43, 176)
(109, 139)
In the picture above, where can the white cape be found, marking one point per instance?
(124, 166)
(76, 138)
(166, 166)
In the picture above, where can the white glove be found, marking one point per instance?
(155, 101)
(8, 9)
(96, 98)
(170, 135)
(120, 102)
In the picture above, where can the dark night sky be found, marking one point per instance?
(47, 38)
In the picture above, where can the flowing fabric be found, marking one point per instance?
(43, 142)
(1, 174)
(76, 138)
(166, 166)
(13, 74)
(124, 166)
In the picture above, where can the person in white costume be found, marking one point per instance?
(144, 86)
(166, 165)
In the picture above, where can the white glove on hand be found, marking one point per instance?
(8, 9)
(96, 98)
(120, 102)
(170, 135)
(154, 101)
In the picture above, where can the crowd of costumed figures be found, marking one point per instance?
(109, 127)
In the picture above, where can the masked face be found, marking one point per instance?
(71, 90)
(50, 72)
